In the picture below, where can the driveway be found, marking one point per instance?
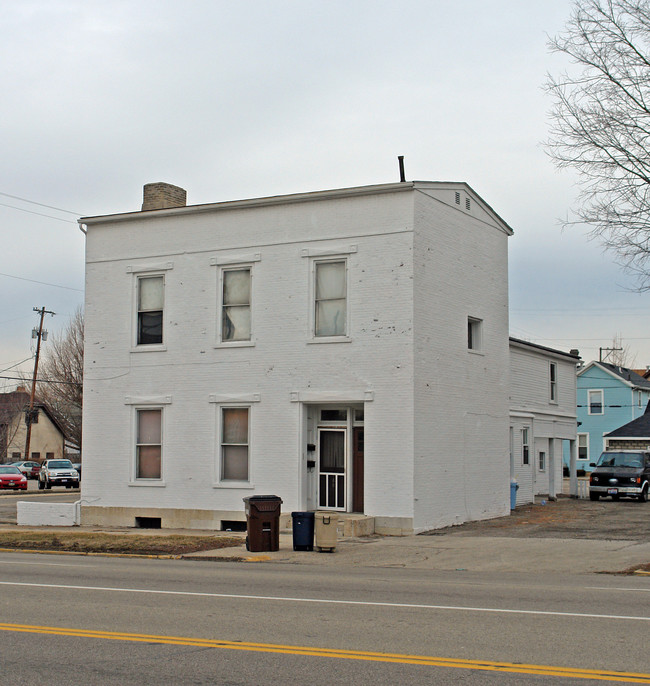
(625, 520)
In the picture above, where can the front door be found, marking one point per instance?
(331, 469)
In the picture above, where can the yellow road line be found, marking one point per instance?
(423, 660)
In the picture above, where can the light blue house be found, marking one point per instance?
(608, 397)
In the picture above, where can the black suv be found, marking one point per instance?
(621, 473)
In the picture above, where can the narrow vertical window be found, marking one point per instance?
(150, 310)
(542, 461)
(234, 443)
(236, 305)
(149, 444)
(583, 446)
(330, 299)
(552, 376)
(596, 402)
(474, 333)
(525, 448)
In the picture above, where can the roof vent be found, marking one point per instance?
(163, 196)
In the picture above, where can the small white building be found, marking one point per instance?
(344, 350)
(542, 417)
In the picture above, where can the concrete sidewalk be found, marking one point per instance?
(450, 553)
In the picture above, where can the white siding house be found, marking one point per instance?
(344, 350)
(542, 417)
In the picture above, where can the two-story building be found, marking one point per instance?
(47, 440)
(608, 396)
(542, 417)
(344, 350)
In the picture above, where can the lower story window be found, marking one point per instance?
(149, 445)
(583, 447)
(525, 455)
(234, 443)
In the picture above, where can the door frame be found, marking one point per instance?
(340, 487)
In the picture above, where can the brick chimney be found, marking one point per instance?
(162, 196)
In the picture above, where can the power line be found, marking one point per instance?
(43, 283)
(19, 378)
(40, 204)
(40, 214)
(15, 365)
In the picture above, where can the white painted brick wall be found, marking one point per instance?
(449, 437)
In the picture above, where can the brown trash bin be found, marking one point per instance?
(325, 525)
(263, 523)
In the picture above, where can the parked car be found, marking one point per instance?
(58, 473)
(621, 473)
(77, 466)
(29, 468)
(12, 477)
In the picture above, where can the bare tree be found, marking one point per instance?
(601, 123)
(61, 374)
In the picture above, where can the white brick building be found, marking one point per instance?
(542, 417)
(343, 349)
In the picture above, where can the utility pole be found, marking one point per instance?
(29, 414)
(609, 351)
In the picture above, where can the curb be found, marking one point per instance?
(162, 556)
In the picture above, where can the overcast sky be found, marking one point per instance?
(235, 99)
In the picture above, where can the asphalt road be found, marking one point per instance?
(83, 620)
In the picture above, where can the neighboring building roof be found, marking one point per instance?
(17, 401)
(629, 376)
(637, 428)
(574, 355)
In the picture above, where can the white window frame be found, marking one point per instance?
(474, 335)
(552, 383)
(136, 403)
(586, 435)
(596, 391)
(221, 342)
(234, 263)
(142, 272)
(135, 479)
(337, 253)
(221, 444)
(336, 337)
(525, 446)
(541, 460)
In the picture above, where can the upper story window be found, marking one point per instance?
(474, 334)
(595, 401)
(330, 298)
(150, 310)
(552, 378)
(236, 305)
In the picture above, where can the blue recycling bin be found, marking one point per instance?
(514, 487)
(303, 530)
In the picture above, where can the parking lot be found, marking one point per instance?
(8, 499)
